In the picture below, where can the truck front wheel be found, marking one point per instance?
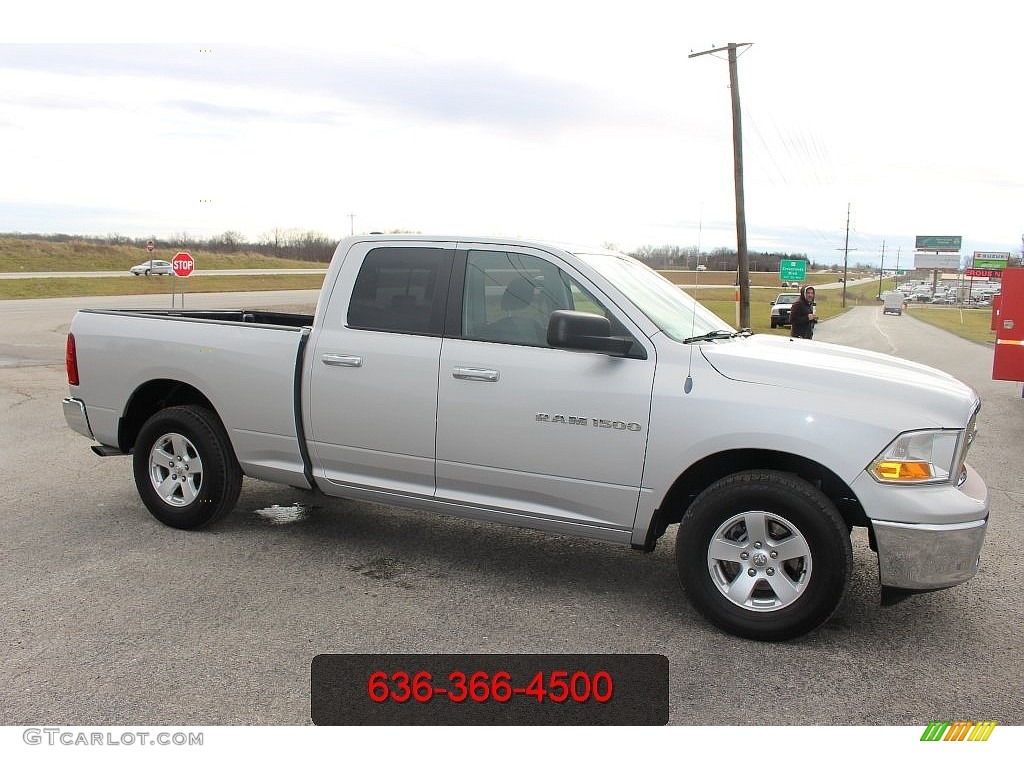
(764, 555)
(185, 469)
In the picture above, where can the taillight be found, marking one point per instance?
(71, 359)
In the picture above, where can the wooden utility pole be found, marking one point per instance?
(881, 270)
(742, 260)
(846, 253)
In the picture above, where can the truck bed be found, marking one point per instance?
(257, 316)
(242, 361)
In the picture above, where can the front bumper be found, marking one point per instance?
(76, 417)
(925, 557)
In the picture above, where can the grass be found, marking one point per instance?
(715, 289)
(970, 324)
(26, 255)
(52, 287)
(722, 302)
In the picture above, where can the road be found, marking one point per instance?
(197, 273)
(111, 618)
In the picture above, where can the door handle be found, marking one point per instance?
(475, 374)
(346, 361)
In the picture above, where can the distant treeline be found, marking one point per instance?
(284, 243)
(720, 259)
(306, 245)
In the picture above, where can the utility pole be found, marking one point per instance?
(881, 270)
(742, 263)
(846, 252)
(352, 223)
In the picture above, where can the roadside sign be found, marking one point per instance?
(150, 246)
(937, 243)
(936, 260)
(183, 264)
(986, 260)
(793, 269)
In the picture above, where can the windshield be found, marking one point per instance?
(667, 306)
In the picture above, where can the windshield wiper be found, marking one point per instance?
(714, 335)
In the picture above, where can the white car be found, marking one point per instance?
(154, 267)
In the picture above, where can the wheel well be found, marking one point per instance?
(711, 468)
(151, 397)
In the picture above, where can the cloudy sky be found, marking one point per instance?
(584, 122)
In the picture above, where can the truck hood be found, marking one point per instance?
(854, 374)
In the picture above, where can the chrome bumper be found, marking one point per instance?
(924, 557)
(75, 416)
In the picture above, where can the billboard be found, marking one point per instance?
(937, 242)
(988, 260)
(936, 260)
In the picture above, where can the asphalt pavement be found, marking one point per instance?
(112, 618)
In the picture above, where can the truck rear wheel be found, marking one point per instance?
(185, 469)
(764, 555)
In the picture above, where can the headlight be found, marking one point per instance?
(928, 456)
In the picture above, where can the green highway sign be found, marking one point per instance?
(937, 243)
(792, 269)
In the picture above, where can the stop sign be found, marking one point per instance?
(183, 264)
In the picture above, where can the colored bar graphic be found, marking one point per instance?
(982, 730)
(958, 730)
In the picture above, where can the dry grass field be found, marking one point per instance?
(713, 289)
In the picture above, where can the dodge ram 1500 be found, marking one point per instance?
(571, 390)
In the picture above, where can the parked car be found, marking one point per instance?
(780, 308)
(154, 267)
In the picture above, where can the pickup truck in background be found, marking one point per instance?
(569, 390)
(781, 307)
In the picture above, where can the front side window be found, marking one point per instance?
(668, 307)
(509, 297)
(401, 290)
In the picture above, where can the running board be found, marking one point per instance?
(106, 450)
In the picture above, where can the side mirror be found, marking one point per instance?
(587, 332)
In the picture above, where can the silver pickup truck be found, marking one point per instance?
(570, 390)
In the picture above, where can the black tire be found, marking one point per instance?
(799, 572)
(147, 273)
(185, 468)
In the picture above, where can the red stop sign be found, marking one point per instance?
(183, 264)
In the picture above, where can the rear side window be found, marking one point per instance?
(402, 290)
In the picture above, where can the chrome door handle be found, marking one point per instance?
(346, 361)
(475, 374)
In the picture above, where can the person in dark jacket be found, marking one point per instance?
(802, 316)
